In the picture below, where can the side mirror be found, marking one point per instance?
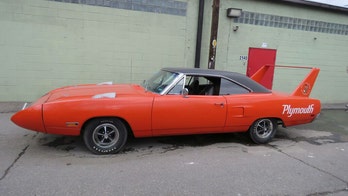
(184, 92)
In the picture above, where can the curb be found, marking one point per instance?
(9, 107)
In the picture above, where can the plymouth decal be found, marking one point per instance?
(290, 110)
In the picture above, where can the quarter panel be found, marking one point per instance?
(243, 110)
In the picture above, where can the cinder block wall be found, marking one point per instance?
(303, 36)
(47, 44)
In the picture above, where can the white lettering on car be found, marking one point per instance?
(290, 110)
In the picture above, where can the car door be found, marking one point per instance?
(191, 114)
(175, 114)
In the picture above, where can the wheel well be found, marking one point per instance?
(129, 129)
(278, 121)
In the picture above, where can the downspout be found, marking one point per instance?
(214, 34)
(199, 34)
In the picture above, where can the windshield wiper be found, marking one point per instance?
(145, 85)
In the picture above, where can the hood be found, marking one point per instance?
(94, 91)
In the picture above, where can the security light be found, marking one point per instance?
(234, 12)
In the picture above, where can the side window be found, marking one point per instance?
(230, 88)
(202, 85)
(176, 90)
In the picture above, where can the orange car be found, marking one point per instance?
(175, 101)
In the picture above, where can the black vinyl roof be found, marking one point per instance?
(233, 76)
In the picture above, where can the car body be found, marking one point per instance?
(175, 101)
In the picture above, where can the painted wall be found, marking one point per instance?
(303, 36)
(45, 44)
(48, 44)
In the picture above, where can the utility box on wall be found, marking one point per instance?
(259, 57)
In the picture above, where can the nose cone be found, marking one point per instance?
(30, 118)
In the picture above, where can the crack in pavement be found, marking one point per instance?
(7, 171)
(14, 162)
(316, 168)
(329, 192)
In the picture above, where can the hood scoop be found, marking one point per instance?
(105, 95)
(105, 83)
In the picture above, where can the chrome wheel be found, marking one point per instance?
(262, 131)
(105, 135)
(264, 128)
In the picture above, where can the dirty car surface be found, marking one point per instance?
(175, 101)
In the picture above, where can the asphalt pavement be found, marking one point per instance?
(309, 159)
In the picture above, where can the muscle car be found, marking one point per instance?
(175, 101)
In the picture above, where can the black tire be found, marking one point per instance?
(262, 131)
(105, 135)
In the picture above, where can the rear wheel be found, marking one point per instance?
(262, 131)
(105, 135)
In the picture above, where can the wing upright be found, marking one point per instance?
(304, 89)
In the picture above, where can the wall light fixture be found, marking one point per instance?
(234, 12)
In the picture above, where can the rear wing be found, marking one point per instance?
(304, 89)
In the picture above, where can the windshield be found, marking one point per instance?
(158, 82)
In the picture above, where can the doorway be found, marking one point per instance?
(259, 57)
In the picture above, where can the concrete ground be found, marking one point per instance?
(310, 159)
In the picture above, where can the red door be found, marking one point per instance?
(259, 57)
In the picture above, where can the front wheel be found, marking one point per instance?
(262, 131)
(105, 136)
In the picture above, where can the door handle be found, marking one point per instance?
(220, 104)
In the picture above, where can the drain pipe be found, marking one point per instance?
(213, 34)
(199, 34)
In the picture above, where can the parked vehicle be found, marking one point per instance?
(175, 101)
